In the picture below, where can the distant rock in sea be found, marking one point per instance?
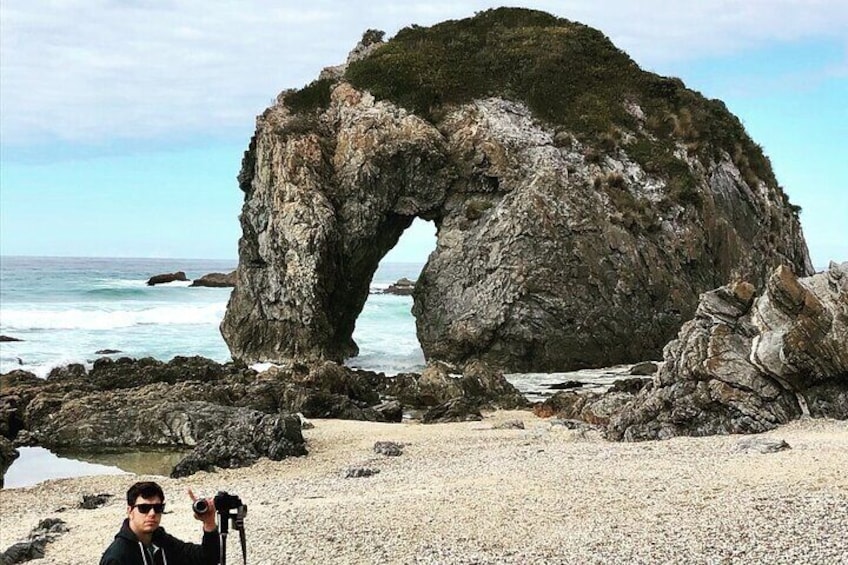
(107, 351)
(403, 287)
(4, 338)
(166, 278)
(216, 280)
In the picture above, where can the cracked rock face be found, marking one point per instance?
(542, 260)
(746, 364)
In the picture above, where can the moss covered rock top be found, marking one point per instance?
(570, 75)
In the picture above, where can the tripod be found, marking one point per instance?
(237, 516)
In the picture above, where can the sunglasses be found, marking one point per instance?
(145, 508)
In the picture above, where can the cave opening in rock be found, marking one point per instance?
(385, 328)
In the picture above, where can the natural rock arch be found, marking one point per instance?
(552, 252)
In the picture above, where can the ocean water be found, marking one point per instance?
(66, 309)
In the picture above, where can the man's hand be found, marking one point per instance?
(208, 517)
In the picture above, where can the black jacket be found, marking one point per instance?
(127, 550)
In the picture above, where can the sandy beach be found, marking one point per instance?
(470, 493)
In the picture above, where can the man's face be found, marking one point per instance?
(144, 523)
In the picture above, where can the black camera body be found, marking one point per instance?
(225, 503)
(229, 508)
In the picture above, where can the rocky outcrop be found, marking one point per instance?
(590, 407)
(216, 280)
(748, 363)
(575, 228)
(214, 409)
(166, 278)
(403, 287)
(242, 440)
(479, 387)
(8, 454)
(45, 532)
(8, 338)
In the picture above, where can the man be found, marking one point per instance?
(142, 541)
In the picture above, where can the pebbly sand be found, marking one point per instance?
(468, 493)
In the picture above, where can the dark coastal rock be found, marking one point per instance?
(357, 472)
(643, 369)
(126, 372)
(6, 338)
(12, 404)
(67, 372)
(228, 413)
(582, 206)
(480, 386)
(630, 386)
(403, 287)
(107, 351)
(459, 409)
(748, 363)
(45, 532)
(92, 501)
(322, 404)
(216, 280)
(433, 386)
(389, 411)
(166, 278)
(487, 386)
(241, 440)
(566, 385)
(8, 454)
(388, 448)
(591, 407)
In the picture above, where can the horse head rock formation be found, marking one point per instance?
(581, 204)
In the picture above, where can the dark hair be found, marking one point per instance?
(146, 489)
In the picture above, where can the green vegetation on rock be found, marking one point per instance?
(570, 75)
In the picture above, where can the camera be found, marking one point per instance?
(224, 503)
(229, 508)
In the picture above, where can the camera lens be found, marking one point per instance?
(200, 506)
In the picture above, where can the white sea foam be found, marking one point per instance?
(119, 283)
(101, 319)
(262, 367)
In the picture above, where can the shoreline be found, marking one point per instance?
(535, 387)
(468, 493)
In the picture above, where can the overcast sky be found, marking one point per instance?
(122, 123)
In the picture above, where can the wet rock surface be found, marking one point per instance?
(228, 413)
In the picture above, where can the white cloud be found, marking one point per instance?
(98, 69)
